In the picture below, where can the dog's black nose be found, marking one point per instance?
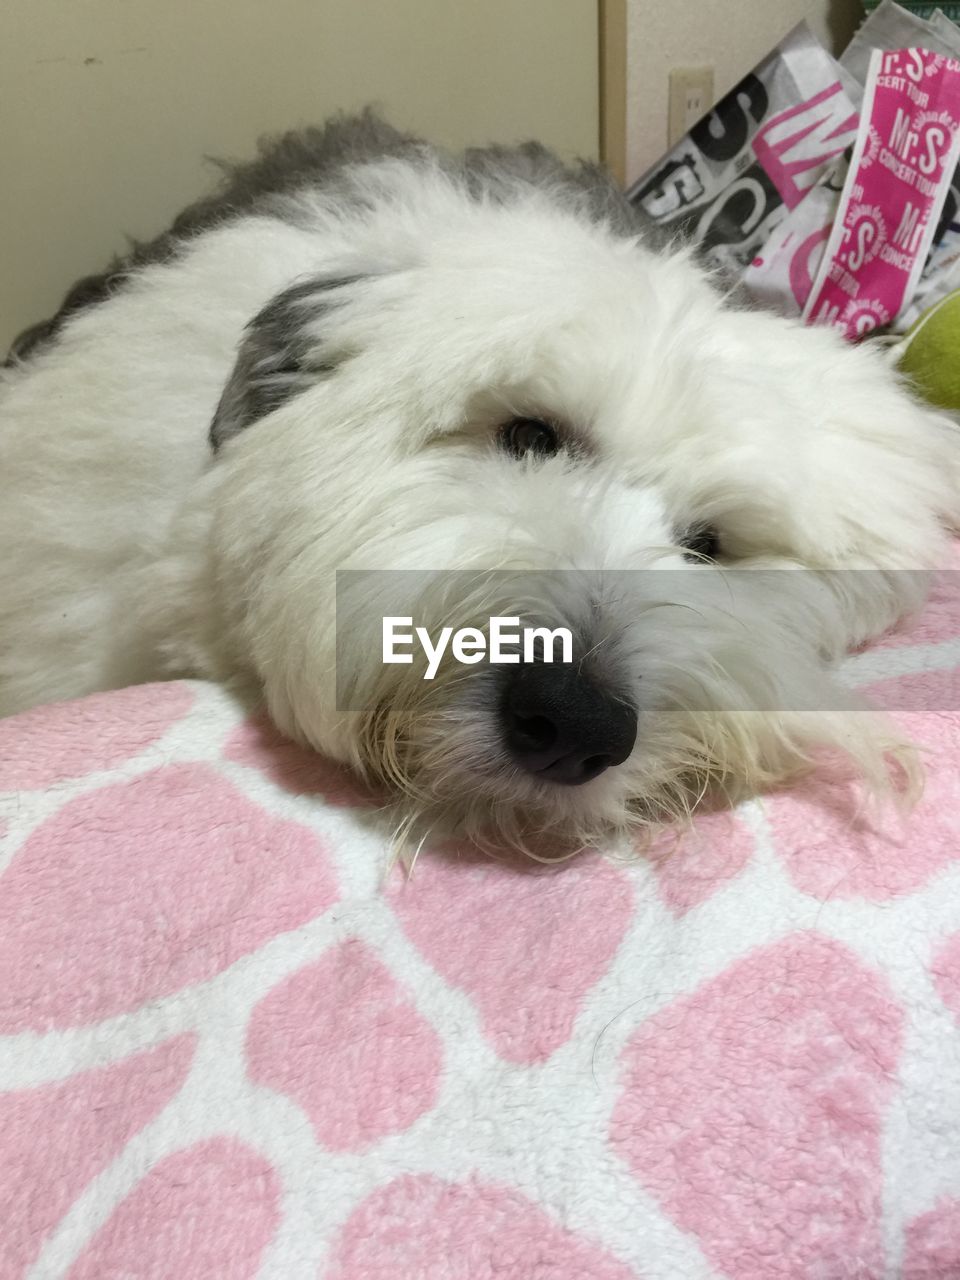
(561, 727)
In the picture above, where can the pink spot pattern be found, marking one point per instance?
(57, 1137)
(259, 745)
(343, 1040)
(946, 973)
(753, 1110)
(434, 1230)
(833, 848)
(207, 1211)
(691, 869)
(526, 943)
(138, 889)
(932, 1249)
(685, 1064)
(47, 745)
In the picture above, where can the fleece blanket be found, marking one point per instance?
(231, 1046)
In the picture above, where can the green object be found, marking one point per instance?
(930, 353)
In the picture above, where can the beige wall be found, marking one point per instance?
(108, 106)
(730, 35)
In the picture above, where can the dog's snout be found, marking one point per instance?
(562, 727)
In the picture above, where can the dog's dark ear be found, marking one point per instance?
(281, 354)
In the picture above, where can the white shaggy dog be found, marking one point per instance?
(476, 368)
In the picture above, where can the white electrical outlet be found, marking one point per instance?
(691, 96)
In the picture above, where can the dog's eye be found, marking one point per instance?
(521, 436)
(702, 541)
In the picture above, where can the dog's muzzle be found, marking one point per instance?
(561, 727)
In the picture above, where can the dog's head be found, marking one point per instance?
(501, 410)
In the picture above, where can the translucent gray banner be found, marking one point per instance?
(699, 638)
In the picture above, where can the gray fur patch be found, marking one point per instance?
(582, 187)
(279, 356)
(317, 157)
(285, 164)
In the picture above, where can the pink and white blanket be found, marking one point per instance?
(231, 1047)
